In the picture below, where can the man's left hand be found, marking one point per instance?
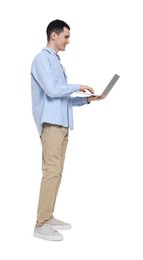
(95, 98)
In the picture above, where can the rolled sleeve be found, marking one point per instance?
(78, 101)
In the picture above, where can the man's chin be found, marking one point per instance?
(63, 49)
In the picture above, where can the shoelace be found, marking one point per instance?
(51, 228)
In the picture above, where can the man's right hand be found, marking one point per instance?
(84, 88)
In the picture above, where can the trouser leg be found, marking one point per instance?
(63, 151)
(54, 141)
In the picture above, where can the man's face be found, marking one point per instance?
(62, 39)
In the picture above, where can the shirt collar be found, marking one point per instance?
(51, 51)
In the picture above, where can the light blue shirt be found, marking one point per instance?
(51, 94)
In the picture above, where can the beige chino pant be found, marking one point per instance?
(54, 140)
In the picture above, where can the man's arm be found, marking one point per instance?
(43, 75)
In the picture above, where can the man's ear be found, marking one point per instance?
(53, 36)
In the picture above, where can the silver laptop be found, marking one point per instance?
(107, 89)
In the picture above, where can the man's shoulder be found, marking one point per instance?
(44, 53)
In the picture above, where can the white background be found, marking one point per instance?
(101, 192)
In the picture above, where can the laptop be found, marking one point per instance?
(106, 90)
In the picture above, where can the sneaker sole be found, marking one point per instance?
(52, 238)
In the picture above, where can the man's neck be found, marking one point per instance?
(52, 46)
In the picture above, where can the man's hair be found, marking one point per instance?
(56, 26)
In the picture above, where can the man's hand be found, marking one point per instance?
(96, 98)
(84, 88)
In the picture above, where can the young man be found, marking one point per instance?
(52, 110)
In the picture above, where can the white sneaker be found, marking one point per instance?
(58, 224)
(47, 232)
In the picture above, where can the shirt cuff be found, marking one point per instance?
(88, 102)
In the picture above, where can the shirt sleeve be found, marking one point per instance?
(42, 73)
(78, 101)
